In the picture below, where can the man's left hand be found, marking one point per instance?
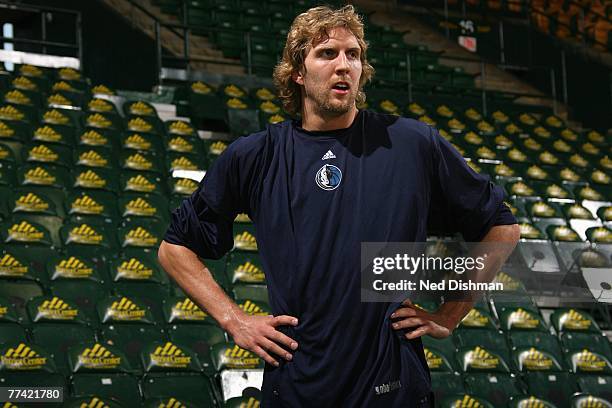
(409, 316)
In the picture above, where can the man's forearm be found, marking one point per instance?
(184, 266)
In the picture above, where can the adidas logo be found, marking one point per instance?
(72, 268)
(217, 147)
(133, 269)
(140, 237)
(185, 186)
(9, 266)
(124, 309)
(92, 158)
(55, 117)
(535, 360)
(10, 113)
(183, 163)
(136, 141)
(42, 153)
(248, 272)
(86, 205)
(475, 319)
(187, 310)
(179, 144)
(69, 74)
(170, 356)
(24, 232)
(245, 241)
(93, 138)
(6, 131)
(57, 99)
(17, 97)
(140, 183)
(99, 121)
(328, 155)
(140, 207)
(56, 309)
(138, 162)
(101, 89)
(38, 175)
(30, 202)
(200, 88)
(62, 86)
(90, 179)
(100, 105)
(237, 357)
(434, 361)
(22, 357)
(24, 83)
(47, 134)
(481, 358)
(30, 70)
(139, 125)
(84, 234)
(589, 361)
(252, 309)
(98, 357)
(180, 128)
(140, 108)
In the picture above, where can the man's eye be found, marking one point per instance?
(354, 54)
(329, 53)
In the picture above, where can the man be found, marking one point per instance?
(315, 190)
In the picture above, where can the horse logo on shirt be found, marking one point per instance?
(328, 177)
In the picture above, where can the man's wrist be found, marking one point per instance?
(230, 321)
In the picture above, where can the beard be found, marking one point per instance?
(326, 104)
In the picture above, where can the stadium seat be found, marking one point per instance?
(557, 388)
(229, 356)
(573, 320)
(119, 387)
(20, 356)
(480, 337)
(595, 342)
(585, 400)
(46, 335)
(198, 338)
(97, 357)
(493, 387)
(191, 388)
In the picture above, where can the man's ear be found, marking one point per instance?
(297, 77)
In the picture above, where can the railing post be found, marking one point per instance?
(564, 77)
(502, 54)
(247, 37)
(79, 40)
(483, 75)
(158, 53)
(553, 86)
(409, 75)
(43, 29)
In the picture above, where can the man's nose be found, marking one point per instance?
(342, 63)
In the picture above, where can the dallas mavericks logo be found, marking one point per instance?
(328, 177)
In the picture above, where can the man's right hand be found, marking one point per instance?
(259, 335)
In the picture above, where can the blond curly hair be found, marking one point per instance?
(308, 29)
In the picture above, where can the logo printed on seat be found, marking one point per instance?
(98, 357)
(22, 357)
(86, 205)
(187, 310)
(9, 266)
(140, 183)
(72, 267)
(31, 202)
(170, 355)
(133, 269)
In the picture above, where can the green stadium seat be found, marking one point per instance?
(257, 293)
(557, 388)
(599, 235)
(88, 237)
(141, 234)
(191, 388)
(21, 356)
(596, 342)
(84, 293)
(199, 338)
(97, 120)
(585, 400)
(145, 142)
(144, 124)
(140, 206)
(140, 161)
(520, 319)
(58, 338)
(585, 361)
(245, 268)
(141, 182)
(182, 310)
(12, 333)
(36, 201)
(97, 138)
(97, 357)
(55, 310)
(564, 320)
(88, 178)
(124, 309)
(167, 356)
(138, 267)
(243, 402)
(521, 401)
(132, 338)
(120, 387)
(481, 337)
(596, 385)
(478, 318)
(482, 359)
(538, 359)
(91, 205)
(22, 230)
(229, 356)
(42, 175)
(98, 157)
(493, 387)
(100, 105)
(446, 384)
(139, 108)
(168, 402)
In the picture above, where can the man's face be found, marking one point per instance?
(331, 73)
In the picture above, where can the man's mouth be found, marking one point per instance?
(341, 88)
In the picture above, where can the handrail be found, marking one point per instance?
(34, 7)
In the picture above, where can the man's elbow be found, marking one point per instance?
(504, 233)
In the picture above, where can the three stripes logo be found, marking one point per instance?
(245, 241)
(183, 163)
(140, 108)
(574, 320)
(99, 121)
(17, 97)
(47, 134)
(90, 179)
(136, 141)
(434, 361)
(86, 205)
(140, 237)
(9, 266)
(217, 148)
(22, 357)
(179, 144)
(24, 232)
(133, 269)
(10, 113)
(138, 162)
(247, 272)
(38, 175)
(56, 309)
(522, 319)
(140, 183)
(93, 138)
(237, 357)
(124, 309)
(99, 105)
(55, 117)
(139, 125)
(481, 359)
(180, 128)
(31, 203)
(98, 357)
(172, 403)
(72, 267)
(140, 207)
(42, 153)
(6, 131)
(185, 186)
(169, 355)
(250, 403)
(475, 319)
(588, 361)
(535, 360)
(84, 234)
(532, 402)
(252, 309)
(92, 158)
(187, 310)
